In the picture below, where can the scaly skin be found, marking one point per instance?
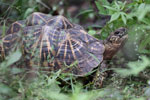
(113, 43)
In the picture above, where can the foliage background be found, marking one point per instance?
(130, 73)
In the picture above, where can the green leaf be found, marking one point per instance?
(147, 92)
(146, 20)
(143, 9)
(28, 11)
(4, 89)
(144, 43)
(115, 16)
(134, 67)
(116, 4)
(105, 2)
(92, 32)
(110, 8)
(123, 18)
(16, 70)
(123, 5)
(101, 9)
(84, 12)
(14, 57)
(4, 28)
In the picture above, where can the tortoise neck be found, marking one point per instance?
(110, 50)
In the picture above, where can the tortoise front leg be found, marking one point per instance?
(100, 75)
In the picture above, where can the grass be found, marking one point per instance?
(128, 79)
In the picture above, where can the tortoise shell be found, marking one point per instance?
(57, 42)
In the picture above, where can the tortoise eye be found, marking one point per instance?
(117, 32)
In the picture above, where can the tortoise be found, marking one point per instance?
(59, 43)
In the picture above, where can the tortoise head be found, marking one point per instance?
(114, 42)
(118, 36)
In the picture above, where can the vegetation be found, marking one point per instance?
(130, 68)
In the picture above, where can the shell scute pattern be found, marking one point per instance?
(16, 27)
(9, 42)
(59, 22)
(37, 19)
(58, 43)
